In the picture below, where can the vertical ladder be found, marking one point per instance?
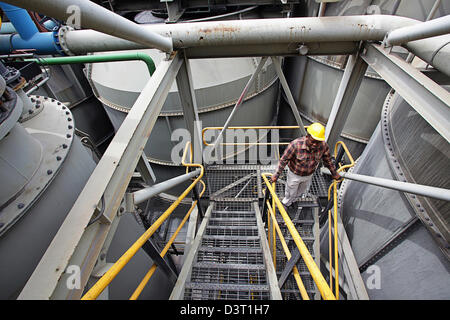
(229, 258)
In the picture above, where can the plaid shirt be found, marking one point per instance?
(302, 160)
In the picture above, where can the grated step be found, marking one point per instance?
(231, 257)
(228, 275)
(231, 231)
(229, 265)
(224, 286)
(231, 241)
(230, 250)
(224, 222)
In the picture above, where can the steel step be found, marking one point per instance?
(229, 276)
(230, 249)
(225, 286)
(229, 266)
(239, 222)
(231, 241)
(231, 257)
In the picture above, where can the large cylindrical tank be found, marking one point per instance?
(314, 80)
(405, 236)
(43, 168)
(217, 83)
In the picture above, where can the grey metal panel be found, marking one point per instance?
(372, 214)
(128, 279)
(414, 269)
(23, 245)
(260, 105)
(320, 86)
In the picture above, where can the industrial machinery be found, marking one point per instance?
(137, 141)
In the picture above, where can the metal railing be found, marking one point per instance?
(314, 270)
(106, 279)
(245, 128)
(334, 186)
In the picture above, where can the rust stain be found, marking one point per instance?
(218, 30)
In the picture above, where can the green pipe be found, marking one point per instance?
(98, 58)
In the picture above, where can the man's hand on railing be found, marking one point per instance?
(336, 176)
(273, 178)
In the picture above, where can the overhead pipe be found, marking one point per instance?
(21, 20)
(428, 29)
(144, 194)
(418, 189)
(238, 34)
(94, 16)
(127, 56)
(28, 35)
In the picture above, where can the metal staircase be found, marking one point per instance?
(305, 216)
(230, 256)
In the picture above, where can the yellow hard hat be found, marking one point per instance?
(317, 131)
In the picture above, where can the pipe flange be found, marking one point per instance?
(53, 127)
(401, 175)
(38, 106)
(62, 40)
(12, 109)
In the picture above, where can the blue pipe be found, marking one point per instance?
(21, 20)
(28, 36)
(43, 43)
(7, 28)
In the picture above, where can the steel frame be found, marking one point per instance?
(429, 99)
(74, 244)
(77, 244)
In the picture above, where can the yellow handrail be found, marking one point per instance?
(152, 270)
(317, 276)
(299, 281)
(106, 279)
(334, 186)
(248, 127)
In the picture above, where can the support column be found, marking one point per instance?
(351, 80)
(287, 91)
(190, 111)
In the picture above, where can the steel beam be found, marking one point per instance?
(218, 139)
(348, 88)
(190, 110)
(77, 244)
(88, 14)
(429, 99)
(145, 169)
(287, 91)
(143, 195)
(419, 31)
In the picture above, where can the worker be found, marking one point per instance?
(302, 157)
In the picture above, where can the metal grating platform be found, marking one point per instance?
(244, 182)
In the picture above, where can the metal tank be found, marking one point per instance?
(314, 80)
(401, 237)
(218, 84)
(43, 168)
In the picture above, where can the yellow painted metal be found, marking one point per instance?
(335, 218)
(152, 270)
(286, 250)
(244, 128)
(317, 276)
(106, 279)
(274, 239)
